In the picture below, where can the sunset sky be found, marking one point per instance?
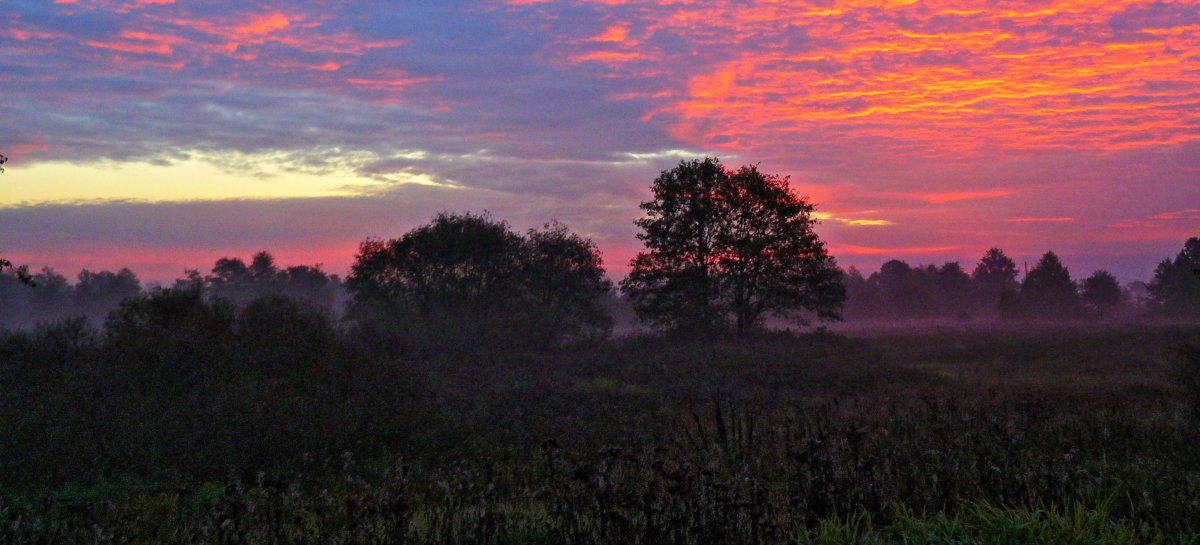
(164, 134)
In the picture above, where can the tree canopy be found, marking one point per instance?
(467, 280)
(1175, 288)
(1101, 292)
(1047, 291)
(725, 248)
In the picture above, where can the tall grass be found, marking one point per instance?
(1065, 436)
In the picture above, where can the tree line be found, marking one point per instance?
(724, 250)
(27, 299)
(996, 288)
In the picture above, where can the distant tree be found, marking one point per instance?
(15, 306)
(52, 300)
(310, 284)
(727, 248)
(192, 280)
(899, 288)
(20, 273)
(1048, 291)
(954, 285)
(1175, 288)
(466, 280)
(1101, 292)
(1009, 305)
(862, 295)
(994, 274)
(1137, 295)
(262, 269)
(231, 280)
(96, 293)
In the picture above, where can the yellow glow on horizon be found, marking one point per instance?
(186, 180)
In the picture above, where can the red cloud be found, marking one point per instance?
(943, 77)
(1039, 220)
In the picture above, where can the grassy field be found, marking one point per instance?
(921, 434)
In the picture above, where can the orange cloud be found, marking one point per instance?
(614, 33)
(263, 24)
(942, 198)
(850, 249)
(943, 77)
(606, 56)
(1188, 213)
(1039, 220)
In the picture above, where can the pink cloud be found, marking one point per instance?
(1039, 220)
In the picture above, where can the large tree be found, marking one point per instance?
(725, 248)
(1175, 288)
(468, 280)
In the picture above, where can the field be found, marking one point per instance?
(919, 434)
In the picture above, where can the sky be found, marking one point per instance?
(164, 134)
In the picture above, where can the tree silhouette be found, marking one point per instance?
(954, 287)
(1175, 288)
(995, 274)
(96, 293)
(1048, 291)
(21, 273)
(673, 284)
(1101, 292)
(899, 286)
(5, 264)
(467, 280)
(233, 280)
(726, 248)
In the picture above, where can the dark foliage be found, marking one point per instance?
(726, 249)
(1101, 293)
(899, 290)
(995, 273)
(181, 386)
(96, 293)
(20, 273)
(466, 282)
(1048, 292)
(1189, 372)
(1175, 288)
(233, 280)
(46, 297)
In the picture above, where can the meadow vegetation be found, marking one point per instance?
(187, 420)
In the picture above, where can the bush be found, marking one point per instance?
(1189, 372)
(178, 385)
